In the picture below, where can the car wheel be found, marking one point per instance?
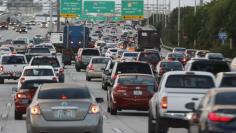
(1, 80)
(160, 127)
(151, 126)
(104, 87)
(77, 68)
(18, 116)
(88, 78)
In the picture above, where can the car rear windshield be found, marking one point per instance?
(225, 98)
(132, 67)
(136, 80)
(176, 55)
(100, 60)
(92, 52)
(4, 49)
(13, 60)
(210, 66)
(45, 62)
(68, 93)
(113, 50)
(38, 72)
(39, 50)
(172, 65)
(149, 57)
(19, 42)
(189, 81)
(35, 84)
(130, 54)
(228, 82)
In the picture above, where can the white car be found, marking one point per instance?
(129, 56)
(37, 72)
(50, 46)
(226, 79)
(233, 65)
(5, 50)
(111, 52)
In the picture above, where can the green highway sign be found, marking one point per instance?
(132, 9)
(99, 6)
(70, 8)
(116, 19)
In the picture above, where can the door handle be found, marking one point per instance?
(194, 99)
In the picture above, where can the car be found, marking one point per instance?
(61, 107)
(83, 57)
(24, 95)
(96, 67)
(120, 53)
(43, 25)
(226, 79)
(190, 53)
(111, 52)
(201, 53)
(166, 66)
(131, 92)
(152, 58)
(23, 29)
(215, 113)
(5, 50)
(31, 52)
(106, 75)
(177, 88)
(179, 50)
(49, 61)
(37, 72)
(176, 56)
(213, 66)
(20, 46)
(99, 44)
(11, 66)
(214, 56)
(50, 46)
(129, 56)
(233, 65)
(151, 50)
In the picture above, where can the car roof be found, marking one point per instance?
(226, 74)
(32, 67)
(63, 86)
(189, 73)
(13, 55)
(135, 74)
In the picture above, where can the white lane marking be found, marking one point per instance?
(117, 130)
(4, 116)
(1, 128)
(8, 104)
(105, 117)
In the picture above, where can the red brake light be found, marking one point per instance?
(22, 79)
(164, 102)
(54, 78)
(217, 117)
(35, 110)
(21, 96)
(161, 72)
(1, 68)
(113, 77)
(79, 58)
(90, 67)
(61, 70)
(120, 90)
(64, 97)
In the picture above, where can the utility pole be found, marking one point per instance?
(179, 24)
(195, 12)
(157, 16)
(50, 13)
(58, 16)
(148, 12)
(153, 12)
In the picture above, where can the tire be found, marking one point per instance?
(160, 127)
(104, 87)
(18, 116)
(88, 78)
(77, 68)
(151, 126)
(1, 80)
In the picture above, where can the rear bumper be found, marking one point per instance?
(10, 75)
(94, 74)
(82, 65)
(131, 103)
(176, 120)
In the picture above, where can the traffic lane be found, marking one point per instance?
(124, 121)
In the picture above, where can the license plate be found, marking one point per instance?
(25, 101)
(137, 93)
(64, 114)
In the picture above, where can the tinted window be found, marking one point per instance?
(149, 57)
(19, 42)
(179, 50)
(210, 66)
(100, 60)
(38, 72)
(189, 81)
(34, 84)
(133, 68)
(228, 82)
(45, 61)
(130, 54)
(172, 65)
(39, 50)
(13, 60)
(140, 80)
(69, 93)
(4, 49)
(93, 52)
(176, 55)
(226, 98)
(113, 50)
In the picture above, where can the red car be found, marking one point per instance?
(131, 92)
(25, 94)
(152, 58)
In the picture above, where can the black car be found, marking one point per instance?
(216, 112)
(106, 76)
(22, 29)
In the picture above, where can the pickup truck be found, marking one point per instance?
(176, 89)
(32, 52)
(11, 66)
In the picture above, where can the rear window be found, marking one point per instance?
(136, 80)
(19, 42)
(38, 72)
(34, 84)
(39, 50)
(130, 54)
(176, 55)
(201, 54)
(228, 82)
(189, 81)
(133, 67)
(149, 57)
(45, 61)
(4, 49)
(100, 60)
(13, 60)
(92, 52)
(180, 49)
(69, 93)
(225, 98)
(113, 50)
(172, 65)
(210, 66)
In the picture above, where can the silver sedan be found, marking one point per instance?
(64, 108)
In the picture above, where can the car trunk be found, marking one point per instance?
(63, 110)
(99, 67)
(13, 69)
(86, 59)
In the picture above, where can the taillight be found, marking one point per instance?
(94, 109)
(120, 90)
(1, 68)
(79, 58)
(164, 102)
(161, 72)
(35, 110)
(61, 71)
(22, 79)
(21, 96)
(90, 67)
(113, 77)
(218, 117)
(54, 78)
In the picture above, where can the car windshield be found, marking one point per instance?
(189, 81)
(32, 85)
(92, 52)
(150, 57)
(13, 60)
(172, 65)
(68, 93)
(38, 72)
(39, 50)
(225, 98)
(136, 80)
(100, 60)
(132, 67)
(45, 62)
(228, 82)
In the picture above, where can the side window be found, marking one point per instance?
(187, 66)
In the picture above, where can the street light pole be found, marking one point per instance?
(58, 15)
(195, 12)
(179, 24)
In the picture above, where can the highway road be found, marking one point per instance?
(124, 122)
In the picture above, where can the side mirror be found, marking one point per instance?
(99, 100)
(14, 89)
(190, 106)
